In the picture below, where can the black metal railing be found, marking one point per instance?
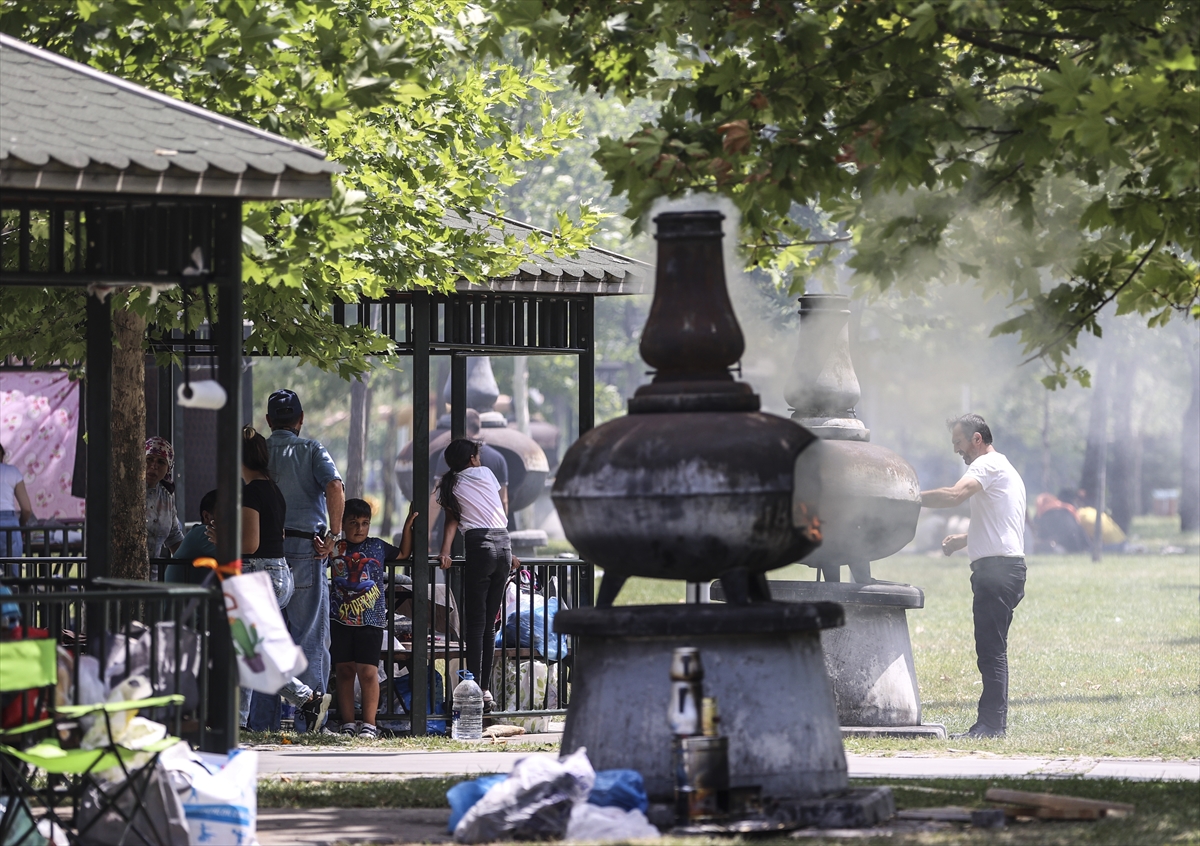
(43, 539)
(110, 630)
(531, 663)
(531, 675)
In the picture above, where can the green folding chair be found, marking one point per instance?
(35, 766)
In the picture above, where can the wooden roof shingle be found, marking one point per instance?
(69, 127)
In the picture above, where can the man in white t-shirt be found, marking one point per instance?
(995, 544)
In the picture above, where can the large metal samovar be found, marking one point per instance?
(526, 462)
(869, 504)
(870, 497)
(695, 483)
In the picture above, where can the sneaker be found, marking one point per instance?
(489, 704)
(314, 711)
(368, 732)
(979, 731)
(349, 730)
(327, 731)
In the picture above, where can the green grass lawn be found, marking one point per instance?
(1104, 658)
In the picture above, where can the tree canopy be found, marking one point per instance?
(392, 91)
(1047, 148)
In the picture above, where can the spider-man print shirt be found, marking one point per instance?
(356, 595)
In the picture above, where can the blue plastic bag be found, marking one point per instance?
(536, 627)
(465, 794)
(437, 699)
(622, 789)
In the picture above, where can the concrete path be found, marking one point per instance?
(313, 826)
(302, 761)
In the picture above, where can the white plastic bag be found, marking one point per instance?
(219, 794)
(589, 822)
(268, 658)
(533, 803)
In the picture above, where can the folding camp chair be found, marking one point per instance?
(34, 764)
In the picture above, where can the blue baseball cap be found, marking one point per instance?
(284, 405)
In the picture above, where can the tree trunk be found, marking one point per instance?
(1122, 478)
(130, 559)
(1047, 456)
(1189, 489)
(356, 457)
(389, 477)
(1092, 475)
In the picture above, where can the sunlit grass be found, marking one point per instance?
(1104, 658)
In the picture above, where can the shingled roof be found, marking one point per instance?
(590, 271)
(69, 127)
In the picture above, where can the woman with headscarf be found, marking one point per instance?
(163, 532)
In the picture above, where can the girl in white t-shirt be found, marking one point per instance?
(15, 510)
(470, 495)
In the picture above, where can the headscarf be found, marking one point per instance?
(162, 447)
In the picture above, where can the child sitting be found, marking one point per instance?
(358, 610)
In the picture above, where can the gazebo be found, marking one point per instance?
(130, 183)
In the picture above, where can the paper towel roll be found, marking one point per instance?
(204, 394)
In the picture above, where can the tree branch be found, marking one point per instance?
(816, 242)
(1003, 49)
(1095, 310)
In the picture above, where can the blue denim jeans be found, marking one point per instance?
(11, 542)
(263, 714)
(308, 612)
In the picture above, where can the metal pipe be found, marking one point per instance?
(422, 322)
(98, 399)
(228, 331)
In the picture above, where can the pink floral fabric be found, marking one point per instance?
(39, 412)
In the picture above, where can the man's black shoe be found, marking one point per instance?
(978, 731)
(314, 711)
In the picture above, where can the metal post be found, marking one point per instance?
(420, 483)
(587, 413)
(166, 429)
(1100, 498)
(458, 395)
(99, 433)
(223, 710)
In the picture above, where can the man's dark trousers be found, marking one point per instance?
(999, 586)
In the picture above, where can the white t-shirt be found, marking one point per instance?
(478, 495)
(997, 511)
(9, 478)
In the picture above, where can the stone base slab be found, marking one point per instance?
(926, 731)
(857, 807)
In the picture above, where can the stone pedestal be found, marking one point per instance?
(763, 663)
(869, 659)
(525, 542)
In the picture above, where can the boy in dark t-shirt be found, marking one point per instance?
(358, 611)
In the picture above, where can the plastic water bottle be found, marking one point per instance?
(468, 709)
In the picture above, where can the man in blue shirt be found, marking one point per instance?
(312, 488)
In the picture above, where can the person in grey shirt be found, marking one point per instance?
(312, 488)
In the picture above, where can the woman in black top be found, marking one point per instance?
(263, 514)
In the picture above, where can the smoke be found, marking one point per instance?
(923, 349)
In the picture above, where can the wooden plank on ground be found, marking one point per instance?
(938, 814)
(1051, 806)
